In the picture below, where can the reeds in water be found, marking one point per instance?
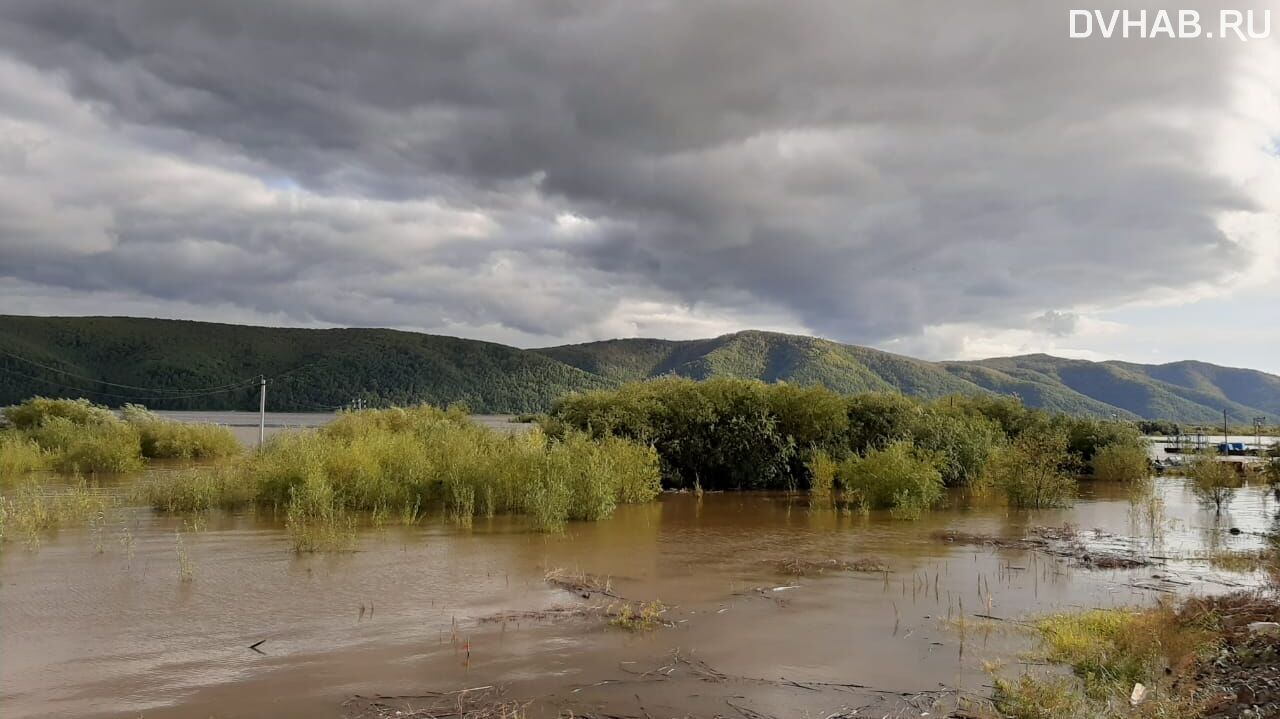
(403, 460)
(34, 510)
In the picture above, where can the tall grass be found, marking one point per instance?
(20, 455)
(1109, 652)
(163, 438)
(33, 510)
(395, 462)
(107, 446)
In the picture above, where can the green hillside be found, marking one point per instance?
(168, 364)
(311, 369)
(1138, 390)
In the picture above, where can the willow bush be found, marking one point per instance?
(900, 478)
(78, 436)
(1121, 463)
(20, 455)
(1033, 470)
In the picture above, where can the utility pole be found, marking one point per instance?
(1225, 440)
(262, 409)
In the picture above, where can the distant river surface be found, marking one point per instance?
(245, 424)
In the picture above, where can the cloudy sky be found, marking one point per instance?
(944, 179)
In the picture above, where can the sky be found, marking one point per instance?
(948, 180)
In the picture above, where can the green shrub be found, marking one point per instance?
(963, 443)
(1031, 471)
(20, 455)
(1087, 436)
(111, 446)
(1121, 463)
(194, 490)
(315, 520)
(165, 438)
(401, 460)
(898, 477)
(727, 433)
(720, 433)
(1214, 482)
(875, 420)
(35, 411)
(822, 474)
(33, 510)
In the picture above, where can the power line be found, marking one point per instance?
(225, 390)
(176, 393)
(125, 386)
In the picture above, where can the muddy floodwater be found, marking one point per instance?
(96, 623)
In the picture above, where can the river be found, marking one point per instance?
(100, 625)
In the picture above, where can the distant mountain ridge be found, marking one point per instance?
(168, 363)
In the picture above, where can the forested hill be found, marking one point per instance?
(170, 364)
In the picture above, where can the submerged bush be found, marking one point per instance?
(1032, 470)
(1214, 482)
(727, 433)
(165, 438)
(20, 455)
(962, 443)
(109, 446)
(195, 490)
(32, 413)
(1121, 463)
(1086, 437)
(81, 436)
(898, 477)
(397, 461)
(822, 474)
(33, 510)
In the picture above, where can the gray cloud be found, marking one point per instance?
(539, 170)
(1058, 324)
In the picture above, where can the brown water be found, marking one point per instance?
(114, 633)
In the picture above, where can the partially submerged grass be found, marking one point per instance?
(1032, 697)
(580, 583)
(163, 438)
(396, 462)
(108, 446)
(800, 566)
(1124, 663)
(1242, 561)
(196, 490)
(20, 455)
(34, 510)
(639, 617)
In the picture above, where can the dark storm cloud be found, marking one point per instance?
(864, 169)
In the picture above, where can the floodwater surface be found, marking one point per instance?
(99, 624)
(245, 425)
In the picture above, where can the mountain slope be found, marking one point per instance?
(311, 369)
(768, 356)
(1131, 388)
(162, 363)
